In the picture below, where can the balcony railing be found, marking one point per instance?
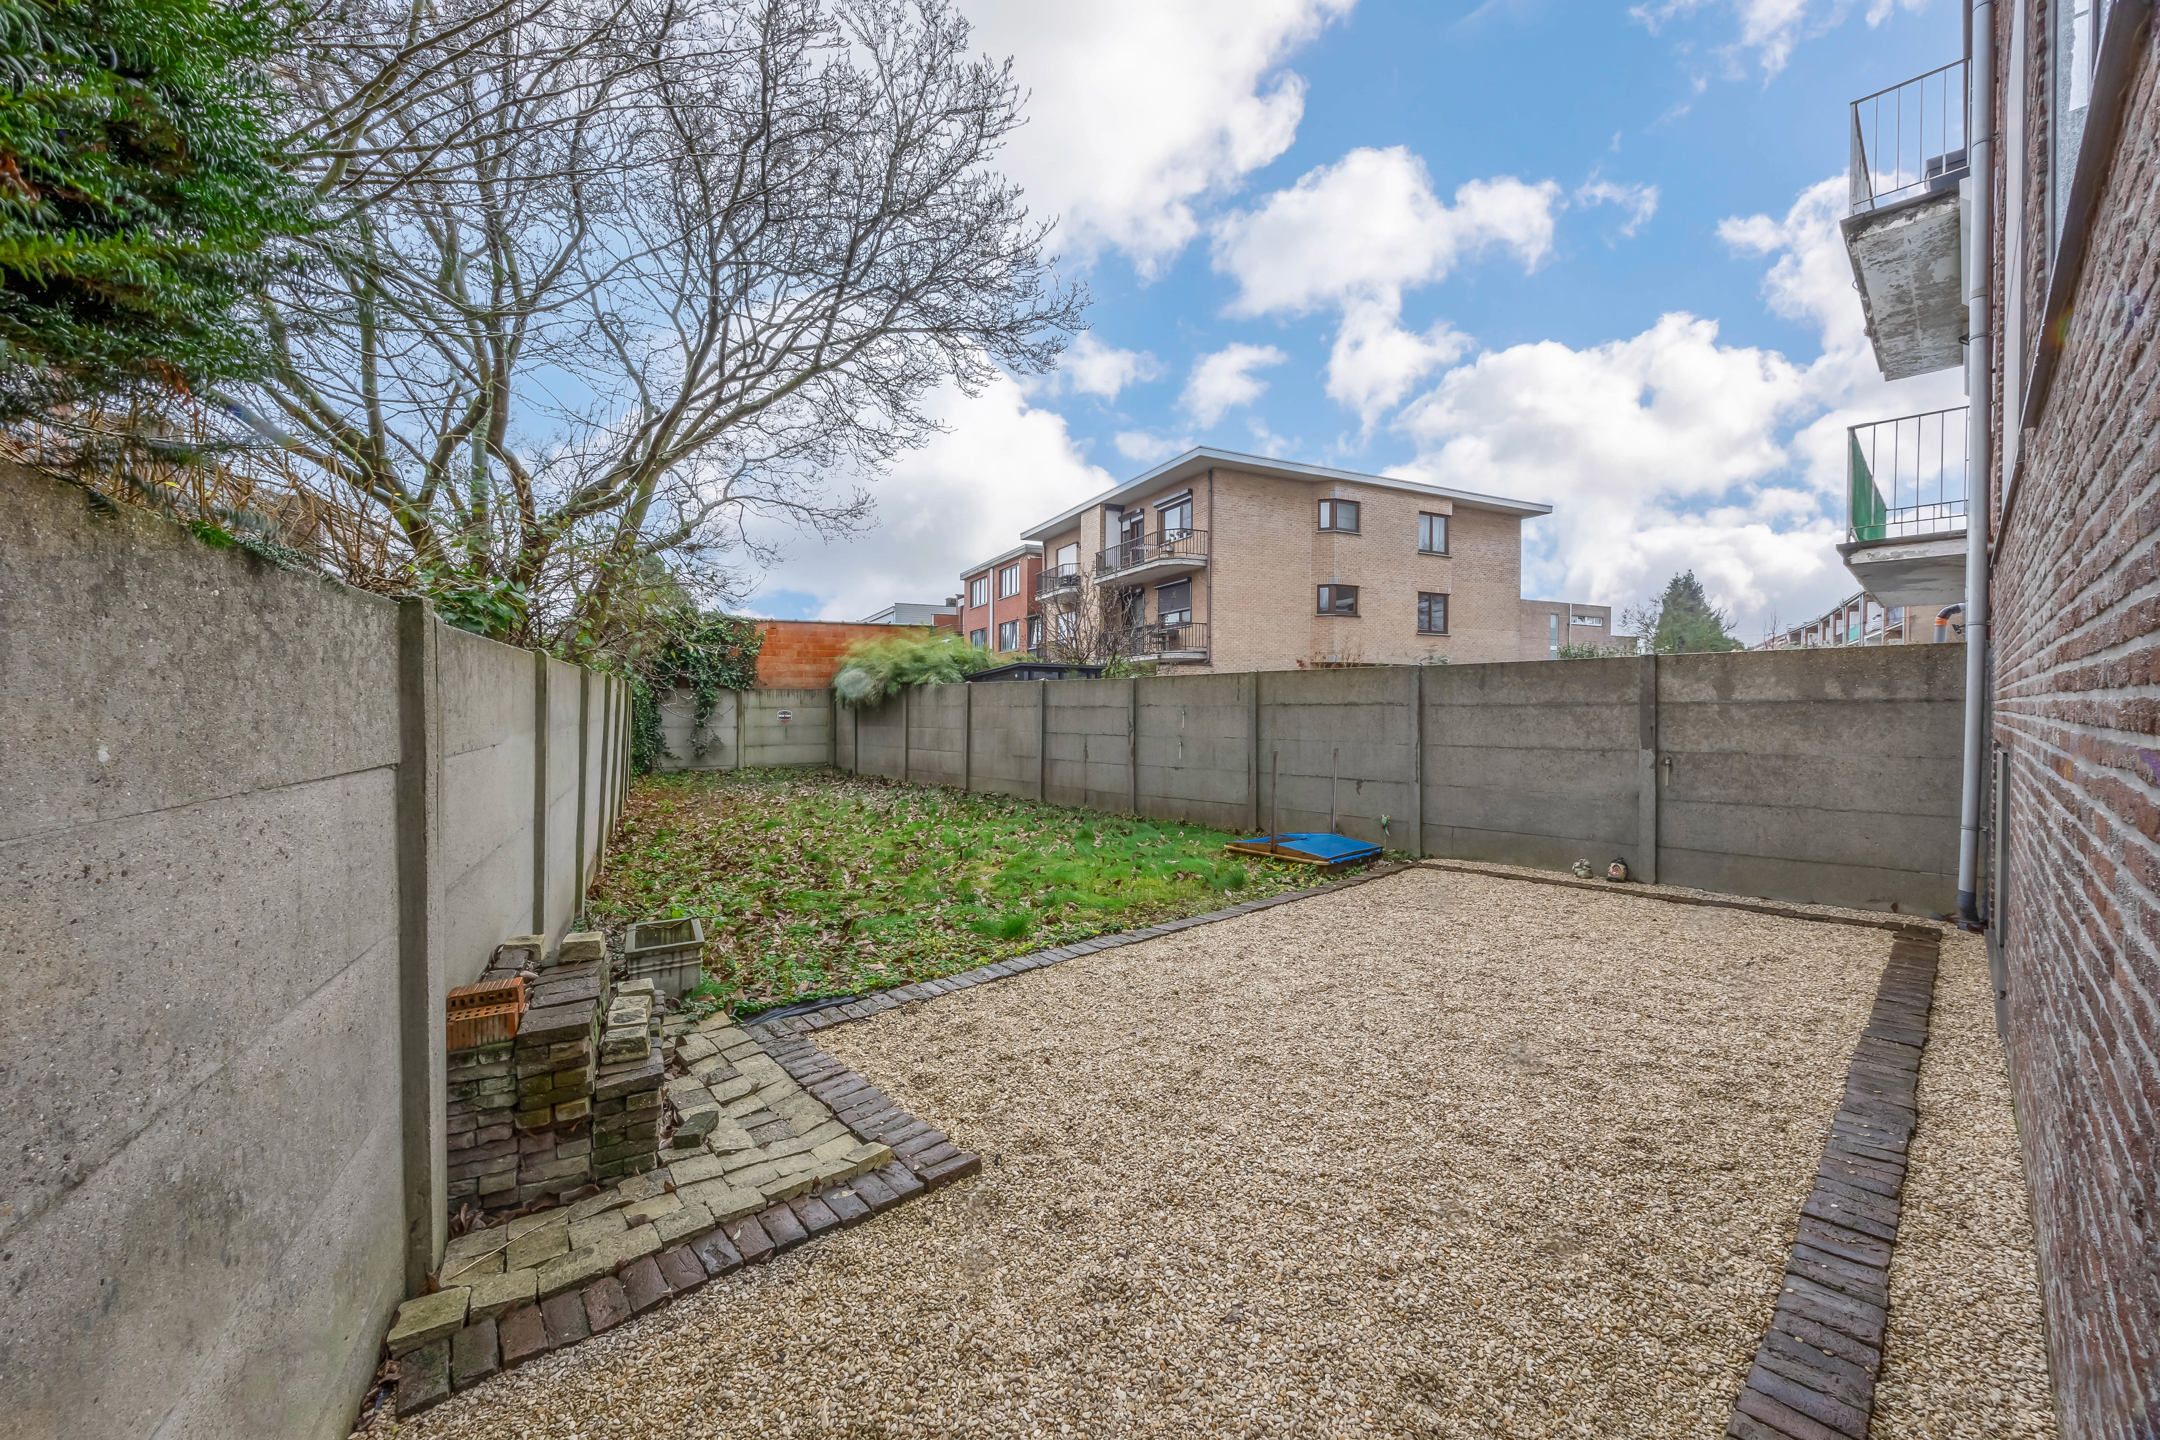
(1907, 478)
(1909, 140)
(1175, 545)
(1166, 637)
(1057, 582)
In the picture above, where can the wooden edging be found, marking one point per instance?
(1814, 1374)
(1915, 925)
(843, 1010)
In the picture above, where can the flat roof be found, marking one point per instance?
(1193, 462)
(996, 560)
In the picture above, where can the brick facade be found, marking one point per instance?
(1547, 623)
(984, 623)
(805, 654)
(2075, 593)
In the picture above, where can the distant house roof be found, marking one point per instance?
(1194, 462)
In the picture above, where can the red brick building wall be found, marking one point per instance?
(1002, 608)
(801, 654)
(2075, 595)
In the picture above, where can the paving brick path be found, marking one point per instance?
(1814, 1375)
(790, 1143)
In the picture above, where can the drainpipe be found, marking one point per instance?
(1979, 380)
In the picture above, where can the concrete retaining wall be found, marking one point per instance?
(1826, 776)
(255, 825)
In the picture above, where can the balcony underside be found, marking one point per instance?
(1158, 567)
(1923, 573)
(1189, 656)
(1907, 259)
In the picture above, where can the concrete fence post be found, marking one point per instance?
(1252, 747)
(1132, 745)
(584, 758)
(420, 959)
(1417, 760)
(967, 736)
(907, 735)
(1042, 738)
(1646, 771)
(832, 727)
(742, 751)
(540, 793)
(604, 794)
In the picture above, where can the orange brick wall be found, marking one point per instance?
(803, 654)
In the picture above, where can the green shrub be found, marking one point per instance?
(874, 671)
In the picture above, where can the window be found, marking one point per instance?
(1580, 618)
(1173, 602)
(1068, 558)
(1008, 635)
(1339, 515)
(1337, 599)
(1173, 517)
(1432, 534)
(1009, 580)
(980, 639)
(1034, 632)
(1132, 527)
(2076, 34)
(979, 590)
(1552, 637)
(1431, 614)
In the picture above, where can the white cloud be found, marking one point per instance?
(1089, 367)
(1376, 361)
(1223, 381)
(1139, 110)
(1145, 447)
(1673, 449)
(1370, 226)
(1638, 202)
(999, 467)
(1768, 31)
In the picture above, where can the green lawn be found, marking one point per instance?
(814, 883)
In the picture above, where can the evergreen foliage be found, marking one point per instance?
(1682, 621)
(876, 670)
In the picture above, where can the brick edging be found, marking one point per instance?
(1896, 924)
(1814, 1374)
(923, 1159)
(862, 1007)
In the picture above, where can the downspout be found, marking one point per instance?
(1979, 435)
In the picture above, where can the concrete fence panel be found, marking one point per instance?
(937, 735)
(1829, 776)
(1534, 764)
(787, 727)
(1087, 754)
(1193, 748)
(687, 745)
(255, 825)
(878, 739)
(1005, 729)
(1338, 751)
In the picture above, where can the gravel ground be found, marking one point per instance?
(1964, 1353)
(1439, 1155)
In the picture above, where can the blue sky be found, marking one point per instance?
(1579, 252)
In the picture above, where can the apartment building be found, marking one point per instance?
(997, 601)
(1864, 620)
(1218, 561)
(2011, 225)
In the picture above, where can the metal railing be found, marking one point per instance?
(1166, 637)
(1057, 581)
(1909, 140)
(1175, 544)
(1908, 477)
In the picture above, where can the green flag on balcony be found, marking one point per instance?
(1864, 503)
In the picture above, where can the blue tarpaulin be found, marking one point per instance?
(1309, 847)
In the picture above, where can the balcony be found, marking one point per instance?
(1167, 642)
(1057, 585)
(1907, 486)
(1903, 229)
(1166, 554)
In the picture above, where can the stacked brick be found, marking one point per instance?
(482, 1141)
(555, 1050)
(626, 1088)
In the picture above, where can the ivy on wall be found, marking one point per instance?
(704, 654)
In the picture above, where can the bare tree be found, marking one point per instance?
(614, 279)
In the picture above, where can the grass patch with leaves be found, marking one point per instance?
(813, 883)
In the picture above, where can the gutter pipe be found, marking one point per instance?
(1979, 383)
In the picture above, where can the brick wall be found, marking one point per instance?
(2076, 690)
(1002, 609)
(1534, 634)
(805, 654)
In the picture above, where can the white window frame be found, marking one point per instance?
(979, 637)
(1008, 633)
(979, 590)
(1009, 581)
